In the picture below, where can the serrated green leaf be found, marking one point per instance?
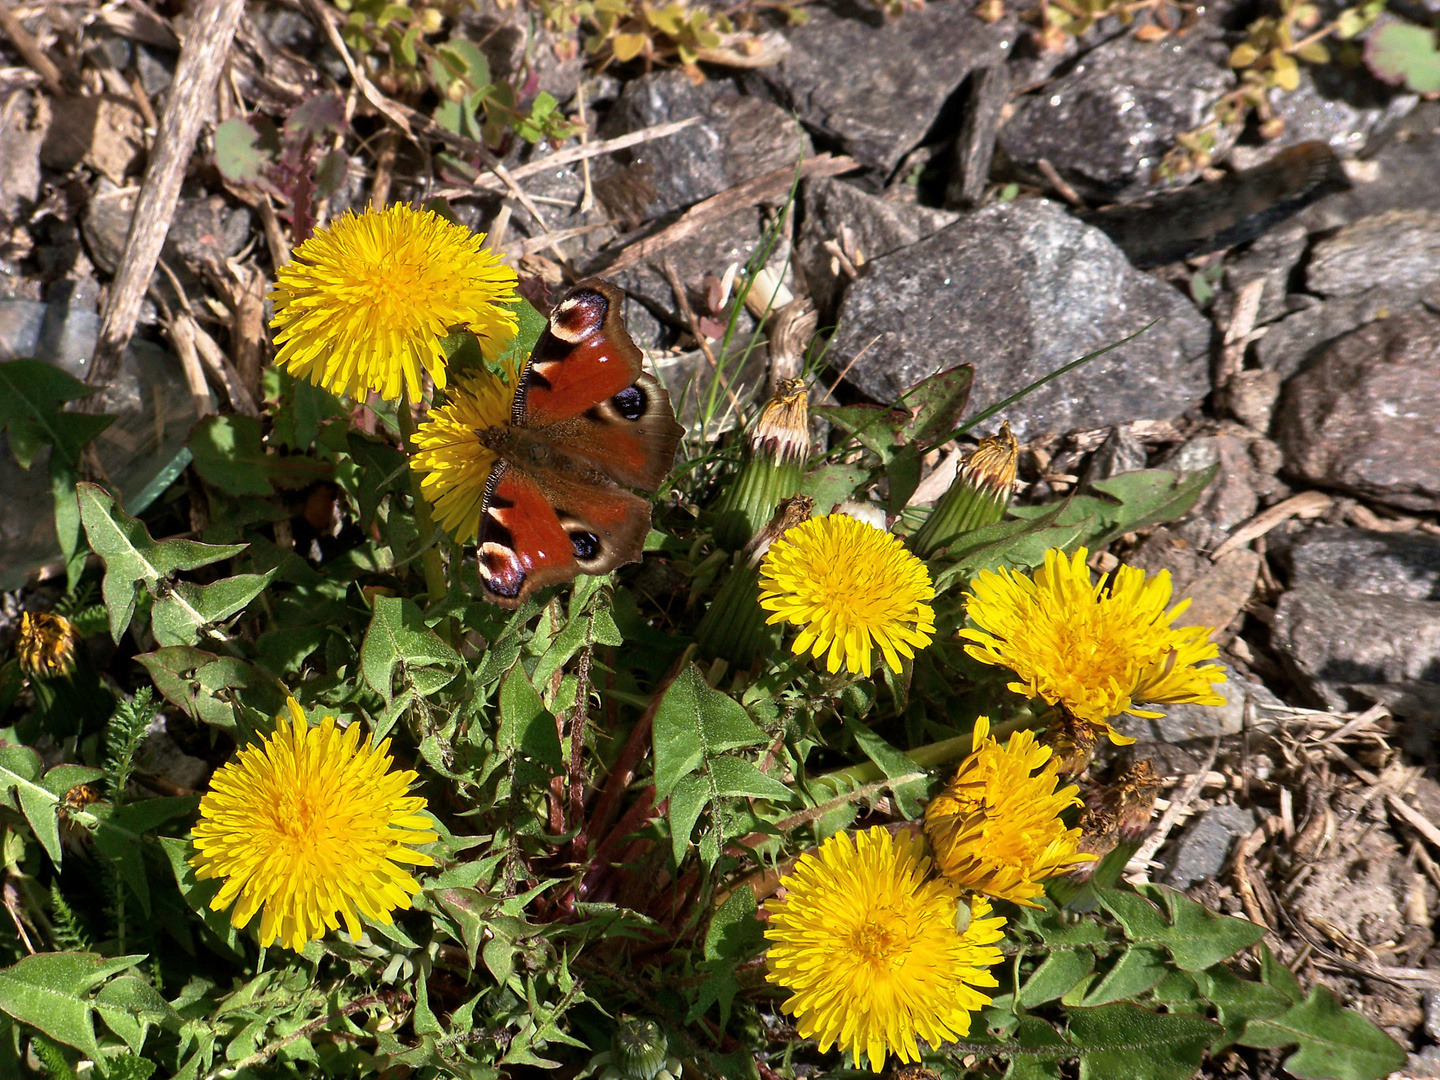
(185, 609)
(736, 778)
(50, 992)
(1239, 1001)
(1139, 968)
(229, 452)
(693, 722)
(1334, 1043)
(1056, 976)
(398, 638)
(20, 772)
(32, 395)
(244, 148)
(204, 684)
(120, 832)
(198, 895)
(1126, 1040)
(129, 1006)
(132, 559)
(895, 765)
(525, 724)
(1195, 937)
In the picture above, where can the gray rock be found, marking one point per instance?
(21, 138)
(1203, 848)
(975, 145)
(1336, 642)
(1344, 107)
(1398, 173)
(738, 139)
(1021, 289)
(1183, 723)
(1273, 257)
(875, 86)
(107, 221)
(835, 210)
(206, 231)
(156, 67)
(713, 248)
(1405, 565)
(1231, 497)
(1364, 414)
(1289, 342)
(1106, 123)
(1398, 249)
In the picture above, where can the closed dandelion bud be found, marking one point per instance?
(46, 644)
(775, 454)
(978, 496)
(638, 1048)
(1133, 796)
(735, 625)
(1099, 835)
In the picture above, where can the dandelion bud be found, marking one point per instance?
(638, 1048)
(734, 626)
(46, 644)
(776, 450)
(1073, 742)
(978, 496)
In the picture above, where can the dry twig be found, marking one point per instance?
(201, 59)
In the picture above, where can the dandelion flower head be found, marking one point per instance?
(850, 587)
(366, 301)
(45, 644)
(455, 464)
(1096, 648)
(308, 827)
(868, 948)
(996, 826)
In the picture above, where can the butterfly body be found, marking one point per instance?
(587, 425)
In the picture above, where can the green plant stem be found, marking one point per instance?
(430, 560)
(931, 756)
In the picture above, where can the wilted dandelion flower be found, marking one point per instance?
(868, 948)
(309, 825)
(45, 645)
(850, 587)
(996, 826)
(455, 464)
(366, 301)
(1096, 648)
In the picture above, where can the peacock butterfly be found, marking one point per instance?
(587, 423)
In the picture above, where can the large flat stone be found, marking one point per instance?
(1019, 290)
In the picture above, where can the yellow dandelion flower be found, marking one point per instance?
(1096, 648)
(366, 301)
(1174, 678)
(45, 645)
(996, 827)
(456, 465)
(868, 948)
(308, 825)
(850, 587)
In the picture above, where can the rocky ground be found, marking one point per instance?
(954, 213)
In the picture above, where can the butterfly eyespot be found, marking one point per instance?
(586, 544)
(578, 315)
(630, 402)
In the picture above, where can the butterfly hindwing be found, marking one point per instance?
(542, 528)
